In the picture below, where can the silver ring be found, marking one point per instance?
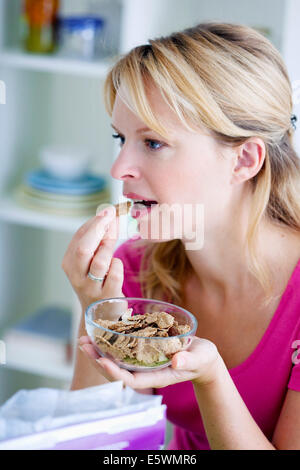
(94, 278)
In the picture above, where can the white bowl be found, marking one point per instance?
(65, 162)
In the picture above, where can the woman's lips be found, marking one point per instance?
(139, 210)
(135, 196)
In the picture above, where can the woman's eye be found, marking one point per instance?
(153, 144)
(118, 136)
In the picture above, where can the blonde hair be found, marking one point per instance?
(232, 81)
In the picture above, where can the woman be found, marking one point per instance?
(204, 116)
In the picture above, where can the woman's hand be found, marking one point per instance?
(200, 363)
(91, 250)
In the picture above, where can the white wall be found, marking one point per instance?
(170, 15)
(291, 54)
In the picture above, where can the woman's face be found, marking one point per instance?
(185, 170)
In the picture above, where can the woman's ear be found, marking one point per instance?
(249, 159)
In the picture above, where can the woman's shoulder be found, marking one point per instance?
(289, 286)
(289, 268)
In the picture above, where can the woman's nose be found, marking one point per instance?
(124, 168)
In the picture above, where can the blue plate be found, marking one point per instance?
(44, 181)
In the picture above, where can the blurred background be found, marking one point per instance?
(56, 150)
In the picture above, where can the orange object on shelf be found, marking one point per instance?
(40, 16)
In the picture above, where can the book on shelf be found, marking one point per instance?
(43, 336)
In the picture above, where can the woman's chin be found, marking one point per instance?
(157, 236)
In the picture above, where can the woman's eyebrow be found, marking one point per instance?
(117, 130)
(138, 131)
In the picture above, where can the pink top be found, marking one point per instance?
(262, 379)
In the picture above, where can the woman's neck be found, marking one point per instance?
(222, 265)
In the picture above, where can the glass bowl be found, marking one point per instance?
(136, 350)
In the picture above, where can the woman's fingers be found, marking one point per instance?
(113, 372)
(84, 340)
(107, 368)
(82, 231)
(91, 250)
(102, 257)
(92, 357)
(89, 350)
(89, 243)
(200, 353)
(114, 280)
(69, 254)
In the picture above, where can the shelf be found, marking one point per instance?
(10, 211)
(42, 63)
(45, 369)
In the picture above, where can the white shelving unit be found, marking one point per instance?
(33, 365)
(53, 100)
(20, 60)
(11, 211)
